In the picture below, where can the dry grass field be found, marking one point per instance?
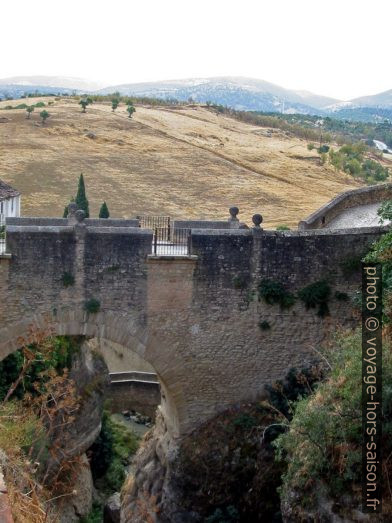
(182, 162)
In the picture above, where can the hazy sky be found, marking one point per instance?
(339, 48)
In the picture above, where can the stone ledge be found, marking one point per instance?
(163, 257)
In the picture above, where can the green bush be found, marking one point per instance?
(297, 384)
(111, 453)
(62, 349)
(323, 149)
(385, 211)
(264, 325)
(324, 441)
(316, 295)
(341, 296)
(92, 306)
(375, 170)
(68, 279)
(95, 515)
(115, 475)
(350, 158)
(273, 292)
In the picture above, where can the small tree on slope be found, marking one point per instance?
(81, 199)
(104, 211)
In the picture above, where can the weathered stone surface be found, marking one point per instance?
(71, 508)
(5, 507)
(141, 396)
(326, 509)
(91, 378)
(111, 513)
(186, 317)
(223, 463)
(150, 494)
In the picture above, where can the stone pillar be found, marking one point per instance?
(233, 220)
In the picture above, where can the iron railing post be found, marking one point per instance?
(189, 242)
(155, 241)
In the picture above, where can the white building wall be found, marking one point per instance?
(10, 207)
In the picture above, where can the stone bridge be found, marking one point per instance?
(196, 319)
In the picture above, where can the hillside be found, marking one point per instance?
(234, 91)
(184, 162)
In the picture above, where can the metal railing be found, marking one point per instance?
(153, 222)
(2, 234)
(171, 242)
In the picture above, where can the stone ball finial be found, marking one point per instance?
(80, 215)
(72, 208)
(257, 219)
(233, 213)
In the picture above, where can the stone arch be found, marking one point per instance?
(124, 330)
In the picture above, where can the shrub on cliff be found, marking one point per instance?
(33, 363)
(111, 453)
(30, 435)
(323, 447)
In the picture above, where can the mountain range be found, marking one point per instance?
(240, 93)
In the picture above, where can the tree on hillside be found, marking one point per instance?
(84, 102)
(81, 198)
(115, 104)
(130, 109)
(44, 115)
(104, 211)
(29, 110)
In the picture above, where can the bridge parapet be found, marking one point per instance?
(346, 200)
(63, 222)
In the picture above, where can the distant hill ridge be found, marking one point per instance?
(240, 93)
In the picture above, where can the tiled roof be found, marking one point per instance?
(6, 191)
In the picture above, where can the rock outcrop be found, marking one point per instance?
(91, 378)
(111, 513)
(77, 505)
(225, 467)
(148, 495)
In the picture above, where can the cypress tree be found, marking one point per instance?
(81, 199)
(104, 211)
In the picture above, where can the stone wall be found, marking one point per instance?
(346, 200)
(201, 224)
(96, 222)
(195, 320)
(141, 396)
